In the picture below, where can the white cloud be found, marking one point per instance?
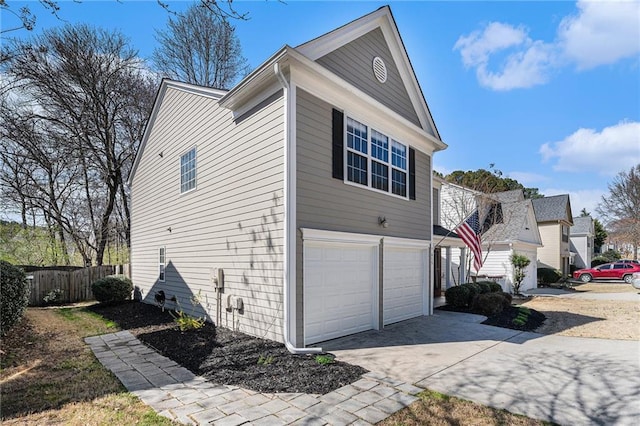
(527, 64)
(580, 199)
(476, 47)
(523, 69)
(601, 32)
(608, 152)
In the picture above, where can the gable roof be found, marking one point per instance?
(162, 90)
(553, 209)
(508, 196)
(381, 18)
(514, 223)
(582, 225)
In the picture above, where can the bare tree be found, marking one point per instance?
(90, 96)
(26, 18)
(200, 47)
(621, 207)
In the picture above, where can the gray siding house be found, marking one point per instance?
(297, 205)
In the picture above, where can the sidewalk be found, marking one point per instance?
(176, 393)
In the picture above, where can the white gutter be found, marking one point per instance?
(289, 220)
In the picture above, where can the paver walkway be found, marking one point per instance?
(176, 393)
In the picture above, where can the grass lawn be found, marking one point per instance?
(49, 376)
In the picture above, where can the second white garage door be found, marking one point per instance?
(339, 281)
(403, 288)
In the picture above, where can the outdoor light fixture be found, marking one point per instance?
(382, 221)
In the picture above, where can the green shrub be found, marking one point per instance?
(508, 298)
(14, 295)
(112, 289)
(495, 287)
(474, 290)
(484, 286)
(457, 296)
(548, 276)
(324, 359)
(599, 260)
(489, 304)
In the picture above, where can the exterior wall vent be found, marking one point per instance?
(379, 69)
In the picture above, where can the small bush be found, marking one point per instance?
(495, 287)
(484, 286)
(14, 295)
(599, 260)
(265, 360)
(53, 297)
(489, 304)
(474, 290)
(548, 276)
(457, 296)
(508, 298)
(112, 289)
(186, 322)
(324, 359)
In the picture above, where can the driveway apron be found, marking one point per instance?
(567, 380)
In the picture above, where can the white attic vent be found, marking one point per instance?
(379, 69)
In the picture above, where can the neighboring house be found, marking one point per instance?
(554, 221)
(509, 226)
(449, 249)
(297, 205)
(581, 241)
(512, 230)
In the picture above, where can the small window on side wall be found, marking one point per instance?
(161, 263)
(188, 170)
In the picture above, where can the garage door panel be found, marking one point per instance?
(404, 275)
(338, 290)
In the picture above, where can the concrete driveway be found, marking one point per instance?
(567, 380)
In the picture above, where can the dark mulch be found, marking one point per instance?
(225, 357)
(505, 319)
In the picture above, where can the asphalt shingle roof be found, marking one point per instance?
(581, 225)
(551, 209)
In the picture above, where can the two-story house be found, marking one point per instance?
(581, 241)
(508, 226)
(297, 205)
(554, 221)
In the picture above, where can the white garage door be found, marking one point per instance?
(404, 278)
(339, 284)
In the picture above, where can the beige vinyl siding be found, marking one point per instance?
(353, 62)
(232, 220)
(323, 202)
(549, 254)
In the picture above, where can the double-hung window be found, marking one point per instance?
(375, 160)
(188, 170)
(161, 263)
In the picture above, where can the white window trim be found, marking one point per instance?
(370, 158)
(195, 179)
(162, 265)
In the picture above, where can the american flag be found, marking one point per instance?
(469, 231)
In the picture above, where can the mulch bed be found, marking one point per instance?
(505, 319)
(227, 357)
(234, 358)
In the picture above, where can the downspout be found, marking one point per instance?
(289, 282)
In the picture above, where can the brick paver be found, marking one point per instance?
(178, 394)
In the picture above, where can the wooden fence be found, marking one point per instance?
(74, 286)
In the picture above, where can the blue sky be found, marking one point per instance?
(549, 92)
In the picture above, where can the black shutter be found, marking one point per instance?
(338, 145)
(412, 174)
